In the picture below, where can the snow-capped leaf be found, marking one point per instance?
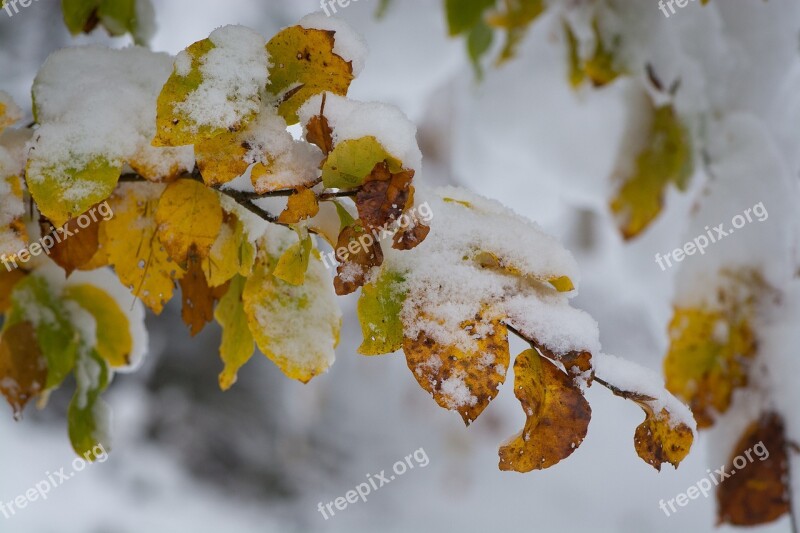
(189, 218)
(296, 326)
(237, 341)
(215, 88)
(88, 416)
(302, 64)
(710, 352)
(379, 308)
(557, 415)
(462, 380)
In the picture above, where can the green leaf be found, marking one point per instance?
(345, 218)
(88, 414)
(379, 310)
(353, 160)
(237, 341)
(33, 301)
(464, 15)
(479, 42)
(77, 14)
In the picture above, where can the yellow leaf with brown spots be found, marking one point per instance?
(23, 368)
(189, 217)
(301, 205)
(557, 415)
(758, 491)
(131, 241)
(659, 440)
(463, 380)
(222, 158)
(710, 352)
(303, 65)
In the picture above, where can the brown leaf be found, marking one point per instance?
(558, 415)
(72, 252)
(318, 131)
(357, 252)
(384, 196)
(8, 279)
(301, 205)
(23, 368)
(462, 381)
(410, 237)
(198, 298)
(757, 493)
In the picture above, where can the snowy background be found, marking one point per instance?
(260, 457)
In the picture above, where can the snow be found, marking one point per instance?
(234, 74)
(95, 102)
(353, 120)
(348, 44)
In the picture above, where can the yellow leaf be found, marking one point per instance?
(557, 415)
(231, 254)
(464, 380)
(353, 160)
(600, 68)
(189, 216)
(379, 310)
(710, 351)
(62, 195)
(293, 264)
(666, 159)
(303, 65)
(222, 158)
(133, 247)
(659, 440)
(297, 327)
(237, 341)
(114, 341)
(301, 205)
(13, 233)
(516, 17)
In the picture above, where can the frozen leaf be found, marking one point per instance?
(189, 217)
(557, 415)
(303, 64)
(759, 493)
(23, 368)
(215, 88)
(710, 352)
(88, 416)
(464, 381)
(34, 300)
(237, 341)
(349, 164)
(114, 340)
(133, 246)
(379, 308)
(64, 193)
(297, 327)
(357, 252)
(301, 205)
(666, 159)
